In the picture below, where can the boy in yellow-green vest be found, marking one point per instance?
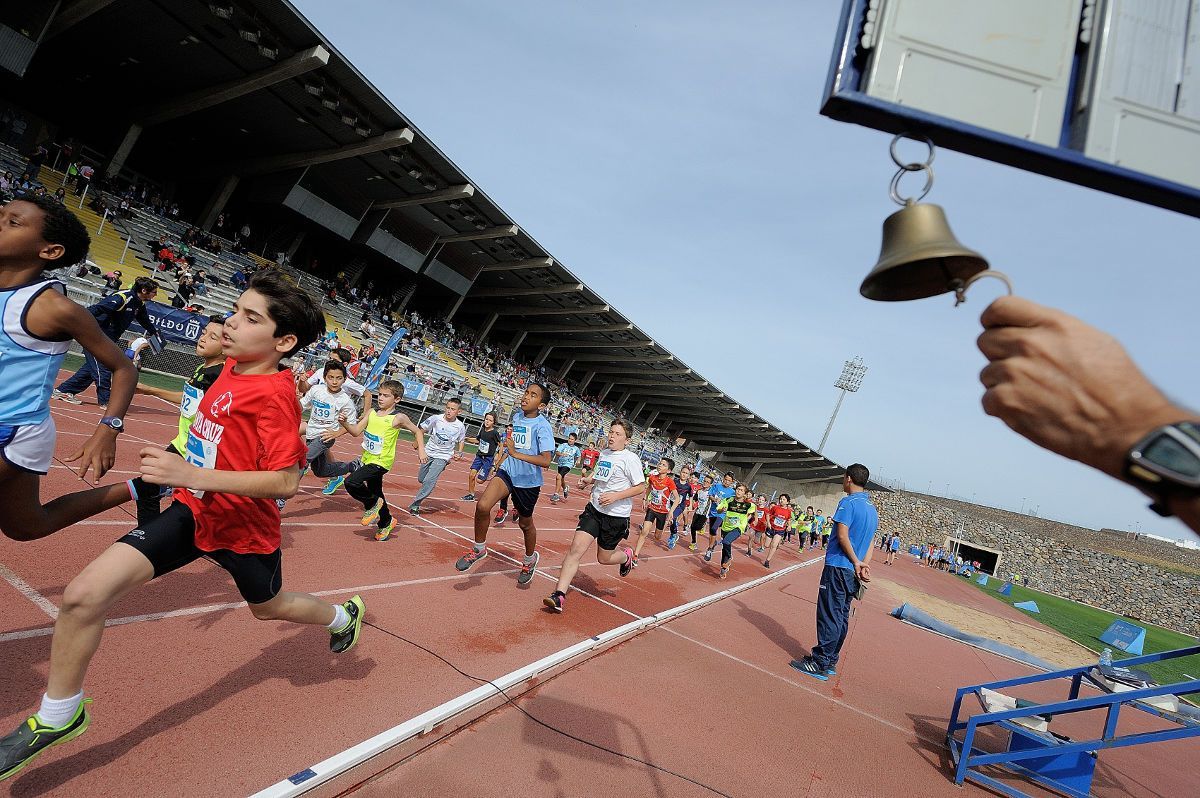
(208, 348)
(380, 431)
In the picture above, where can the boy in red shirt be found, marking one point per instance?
(758, 524)
(661, 496)
(779, 521)
(588, 458)
(242, 454)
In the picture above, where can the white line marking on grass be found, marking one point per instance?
(27, 590)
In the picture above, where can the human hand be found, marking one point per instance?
(421, 456)
(329, 435)
(160, 467)
(607, 498)
(98, 453)
(863, 572)
(1066, 385)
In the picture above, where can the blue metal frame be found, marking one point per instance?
(967, 757)
(846, 102)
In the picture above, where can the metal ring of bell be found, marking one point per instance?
(912, 166)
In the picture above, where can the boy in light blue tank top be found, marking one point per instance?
(37, 322)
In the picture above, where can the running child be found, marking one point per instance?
(329, 402)
(502, 509)
(779, 521)
(527, 450)
(37, 322)
(565, 457)
(380, 431)
(589, 456)
(821, 528)
(446, 437)
(737, 513)
(684, 487)
(208, 348)
(716, 517)
(661, 497)
(758, 524)
(811, 532)
(700, 502)
(486, 446)
(242, 453)
(605, 519)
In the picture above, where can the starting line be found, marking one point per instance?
(426, 722)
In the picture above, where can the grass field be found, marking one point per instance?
(1085, 624)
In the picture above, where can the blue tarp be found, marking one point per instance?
(1028, 606)
(909, 613)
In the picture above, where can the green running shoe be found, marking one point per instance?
(332, 485)
(344, 639)
(32, 737)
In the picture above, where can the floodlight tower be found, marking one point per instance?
(850, 380)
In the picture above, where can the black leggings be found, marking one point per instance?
(366, 485)
(149, 502)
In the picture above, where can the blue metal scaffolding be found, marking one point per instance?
(1050, 759)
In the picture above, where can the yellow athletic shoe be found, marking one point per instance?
(372, 514)
(385, 532)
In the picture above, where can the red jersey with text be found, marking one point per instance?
(778, 517)
(589, 457)
(758, 521)
(661, 488)
(245, 422)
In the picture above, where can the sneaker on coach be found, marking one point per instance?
(32, 737)
(528, 569)
(70, 398)
(810, 667)
(470, 558)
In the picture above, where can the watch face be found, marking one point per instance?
(1168, 453)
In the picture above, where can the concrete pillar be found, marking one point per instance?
(604, 392)
(542, 354)
(454, 308)
(752, 473)
(566, 368)
(295, 245)
(587, 378)
(653, 417)
(637, 410)
(516, 344)
(621, 402)
(123, 149)
(486, 328)
(216, 202)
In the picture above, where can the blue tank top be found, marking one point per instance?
(28, 364)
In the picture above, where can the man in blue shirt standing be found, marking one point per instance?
(528, 449)
(847, 563)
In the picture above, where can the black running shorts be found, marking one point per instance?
(608, 530)
(169, 543)
(659, 519)
(564, 470)
(698, 521)
(523, 499)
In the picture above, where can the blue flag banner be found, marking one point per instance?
(983, 579)
(417, 391)
(175, 325)
(1007, 589)
(375, 375)
(1028, 606)
(480, 405)
(1126, 636)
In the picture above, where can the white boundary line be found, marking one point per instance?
(426, 722)
(27, 590)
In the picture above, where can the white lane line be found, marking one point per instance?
(27, 590)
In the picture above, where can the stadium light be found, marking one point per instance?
(250, 35)
(268, 50)
(849, 381)
(221, 10)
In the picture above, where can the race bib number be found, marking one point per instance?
(191, 400)
(780, 522)
(656, 496)
(372, 444)
(485, 448)
(603, 471)
(520, 437)
(202, 454)
(322, 410)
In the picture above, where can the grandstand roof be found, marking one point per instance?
(251, 88)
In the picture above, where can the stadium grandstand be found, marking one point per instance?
(231, 136)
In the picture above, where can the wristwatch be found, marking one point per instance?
(114, 423)
(1166, 463)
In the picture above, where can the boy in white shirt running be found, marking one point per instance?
(618, 477)
(442, 434)
(329, 404)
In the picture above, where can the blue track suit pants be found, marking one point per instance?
(838, 586)
(91, 371)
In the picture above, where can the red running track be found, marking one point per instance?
(193, 697)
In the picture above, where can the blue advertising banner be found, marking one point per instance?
(1126, 636)
(174, 325)
(417, 391)
(480, 405)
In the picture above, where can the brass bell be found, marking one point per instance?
(920, 257)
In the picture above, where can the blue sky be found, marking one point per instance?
(671, 154)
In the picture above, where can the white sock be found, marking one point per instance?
(530, 558)
(340, 618)
(480, 546)
(57, 712)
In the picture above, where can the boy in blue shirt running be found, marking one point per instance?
(565, 457)
(528, 449)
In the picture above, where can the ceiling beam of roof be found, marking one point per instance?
(531, 310)
(620, 372)
(835, 473)
(633, 385)
(798, 461)
(297, 160)
(562, 328)
(571, 345)
(499, 231)
(637, 390)
(73, 14)
(518, 265)
(502, 291)
(583, 357)
(184, 104)
(441, 195)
